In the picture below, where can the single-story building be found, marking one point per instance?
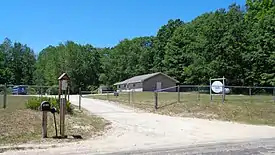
(104, 89)
(147, 82)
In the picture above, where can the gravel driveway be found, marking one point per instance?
(136, 130)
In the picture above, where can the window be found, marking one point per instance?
(118, 86)
(134, 85)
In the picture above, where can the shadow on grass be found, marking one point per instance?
(163, 107)
(167, 105)
(67, 137)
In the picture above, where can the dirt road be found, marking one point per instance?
(132, 130)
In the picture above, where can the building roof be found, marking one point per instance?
(141, 78)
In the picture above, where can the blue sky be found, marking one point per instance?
(102, 23)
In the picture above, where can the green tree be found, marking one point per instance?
(161, 40)
(80, 62)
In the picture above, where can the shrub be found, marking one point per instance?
(34, 104)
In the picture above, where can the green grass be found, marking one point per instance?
(257, 109)
(21, 125)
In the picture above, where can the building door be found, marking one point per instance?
(158, 85)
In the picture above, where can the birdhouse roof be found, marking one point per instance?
(64, 76)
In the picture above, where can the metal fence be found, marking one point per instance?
(201, 94)
(7, 91)
(190, 94)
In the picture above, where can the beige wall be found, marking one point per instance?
(150, 84)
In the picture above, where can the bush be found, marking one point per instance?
(34, 104)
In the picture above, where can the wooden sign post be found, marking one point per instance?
(45, 107)
(44, 124)
(62, 97)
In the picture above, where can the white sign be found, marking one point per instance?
(217, 87)
(64, 84)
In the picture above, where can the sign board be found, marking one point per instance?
(64, 84)
(217, 87)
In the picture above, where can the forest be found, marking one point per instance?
(237, 42)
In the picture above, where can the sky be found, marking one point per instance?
(101, 23)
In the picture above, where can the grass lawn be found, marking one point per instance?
(21, 125)
(258, 109)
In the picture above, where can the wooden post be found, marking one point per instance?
(210, 85)
(63, 86)
(59, 91)
(79, 99)
(5, 96)
(44, 124)
(156, 100)
(198, 98)
(62, 116)
(69, 93)
(178, 93)
(250, 94)
(223, 89)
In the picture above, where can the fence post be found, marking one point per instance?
(223, 94)
(5, 96)
(79, 99)
(223, 89)
(250, 94)
(198, 98)
(156, 100)
(210, 91)
(178, 93)
(133, 102)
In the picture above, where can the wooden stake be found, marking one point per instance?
(44, 124)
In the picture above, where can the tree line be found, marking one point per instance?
(237, 42)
